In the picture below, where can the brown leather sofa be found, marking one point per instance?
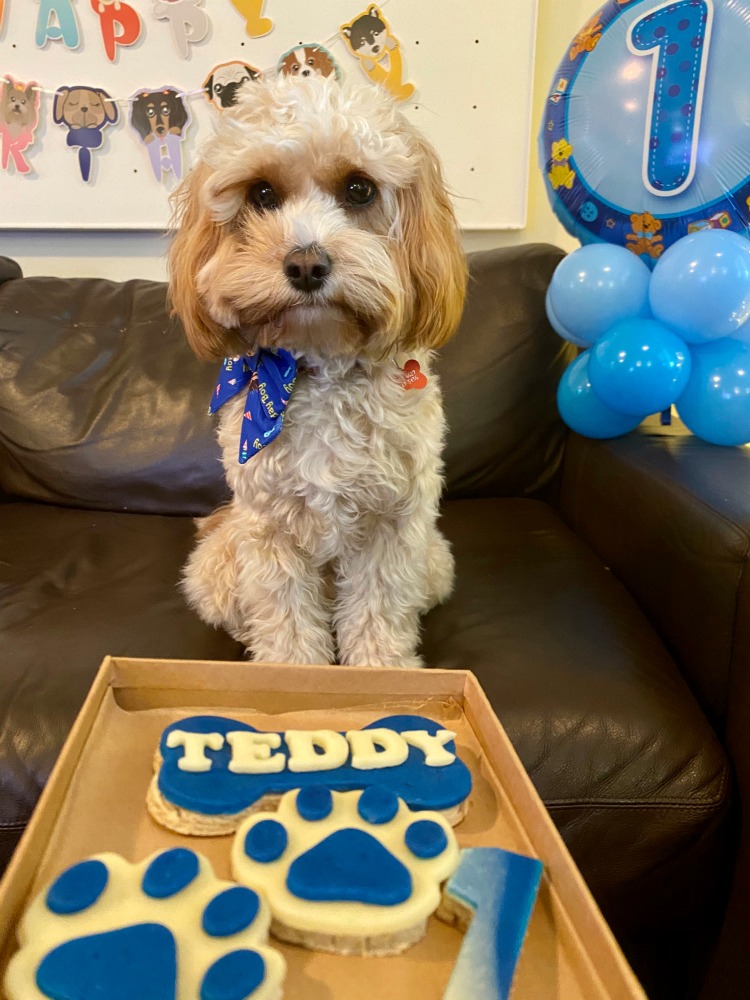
(601, 599)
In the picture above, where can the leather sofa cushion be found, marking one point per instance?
(104, 406)
(595, 707)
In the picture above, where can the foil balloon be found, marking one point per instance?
(645, 136)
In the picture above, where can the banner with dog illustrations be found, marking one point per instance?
(109, 100)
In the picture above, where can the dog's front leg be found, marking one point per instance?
(380, 589)
(284, 609)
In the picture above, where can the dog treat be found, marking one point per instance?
(356, 873)
(212, 772)
(162, 929)
(490, 895)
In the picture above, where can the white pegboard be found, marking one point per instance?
(472, 64)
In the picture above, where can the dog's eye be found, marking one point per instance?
(359, 191)
(263, 197)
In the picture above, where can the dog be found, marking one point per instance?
(160, 117)
(85, 112)
(224, 81)
(371, 41)
(19, 116)
(316, 234)
(308, 60)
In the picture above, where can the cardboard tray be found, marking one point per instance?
(94, 801)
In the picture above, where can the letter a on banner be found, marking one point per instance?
(56, 22)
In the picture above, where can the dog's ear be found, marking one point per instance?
(178, 116)
(347, 30)
(196, 241)
(58, 110)
(138, 118)
(374, 12)
(208, 87)
(110, 108)
(433, 264)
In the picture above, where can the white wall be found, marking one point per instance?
(141, 255)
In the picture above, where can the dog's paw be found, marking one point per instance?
(164, 929)
(350, 872)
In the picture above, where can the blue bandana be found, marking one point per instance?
(270, 375)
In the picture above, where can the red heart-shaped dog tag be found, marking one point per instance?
(414, 378)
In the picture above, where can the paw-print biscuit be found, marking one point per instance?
(350, 872)
(163, 929)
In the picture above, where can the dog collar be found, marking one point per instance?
(269, 375)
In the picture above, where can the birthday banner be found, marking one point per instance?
(104, 104)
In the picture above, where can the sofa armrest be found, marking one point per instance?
(670, 515)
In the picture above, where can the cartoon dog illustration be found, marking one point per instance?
(587, 38)
(370, 39)
(224, 81)
(190, 23)
(85, 112)
(561, 174)
(255, 24)
(308, 60)
(645, 237)
(19, 116)
(160, 117)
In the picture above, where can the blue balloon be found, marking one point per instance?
(581, 408)
(596, 286)
(701, 285)
(557, 326)
(715, 405)
(639, 366)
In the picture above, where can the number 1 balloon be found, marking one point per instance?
(645, 136)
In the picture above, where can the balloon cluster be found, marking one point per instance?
(677, 335)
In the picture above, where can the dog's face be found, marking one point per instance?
(307, 61)
(19, 103)
(318, 222)
(83, 107)
(367, 34)
(223, 85)
(154, 113)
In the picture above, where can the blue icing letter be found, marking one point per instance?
(220, 791)
(231, 911)
(235, 976)
(135, 963)
(500, 887)
(78, 888)
(170, 872)
(350, 866)
(266, 841)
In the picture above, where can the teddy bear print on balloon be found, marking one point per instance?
(645, 150)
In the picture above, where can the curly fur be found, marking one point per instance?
(329, 548)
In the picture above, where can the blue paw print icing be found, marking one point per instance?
(366, 851)
(223, 769)
(109, 928)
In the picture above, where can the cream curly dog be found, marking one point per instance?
(316, 235)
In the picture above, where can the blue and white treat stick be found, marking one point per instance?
(496, 889)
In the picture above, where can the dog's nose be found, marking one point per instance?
(307, 268)
(84, 110)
